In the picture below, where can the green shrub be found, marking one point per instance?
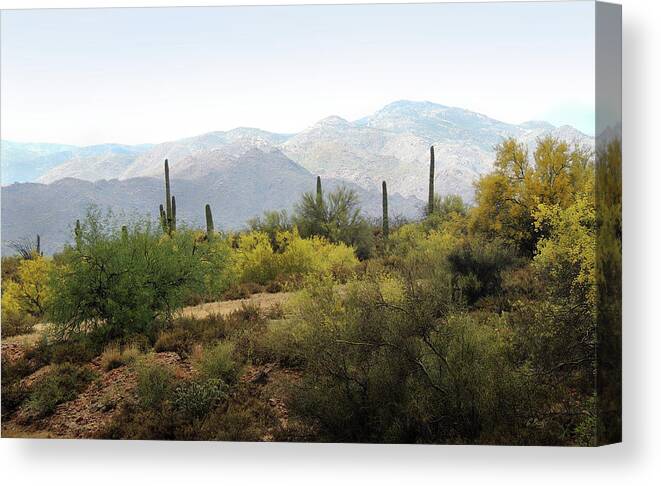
(477, 265)
(79, 349)
(281, 342)
(217, 362)
(13, 393)
(155, 384)
(17, 323)
(121, 285)
(185, 332)
(178, 340)
(60, 384)
(335, 217)
(389, 359)
(196, 399)
(247, 419)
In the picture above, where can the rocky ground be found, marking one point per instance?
(96, 406)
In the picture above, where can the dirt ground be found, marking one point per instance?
(263, 300)
(94, 408)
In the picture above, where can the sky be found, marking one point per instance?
(147, 75)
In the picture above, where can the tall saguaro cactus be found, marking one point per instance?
(386, 226)
(209, 218)
(77, 233)
(39, 246)
(168, 201)
(169, 216)
(320, 196)
(163, 218)
(173, 219)
(430, 205)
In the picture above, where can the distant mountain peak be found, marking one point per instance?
(332, 121)
(537, 124)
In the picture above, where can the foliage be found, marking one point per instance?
(271, 223)
(389, 362)
(567, 255)
(337, 218)
(217, 362)
(28, 292)
(507, 197)
(118, 285)
(60, 384)
(281, 342)
(155, 383)
(197, 398)
(477, 265)
(255, 260)
(114, 356)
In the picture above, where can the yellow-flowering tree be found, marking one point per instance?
(507, 198)
(29, 292)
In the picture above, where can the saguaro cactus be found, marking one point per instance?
(170, 209)
(38, 245)
(163, 218)
(320, 196)
(78, 233)
(173, 219)
(209, 218)
(430, 204)
(386, 227)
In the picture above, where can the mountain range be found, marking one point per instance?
(244, 171)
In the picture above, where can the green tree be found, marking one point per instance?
(116, 285)
(338, 219)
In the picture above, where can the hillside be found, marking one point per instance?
(237, 189)
(391, 144)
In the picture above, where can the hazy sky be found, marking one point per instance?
(150, 75)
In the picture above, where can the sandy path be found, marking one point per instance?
(263, 300)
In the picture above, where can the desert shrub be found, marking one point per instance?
(9, 267)
(118, 285)
(275, 311)
(16, 323)
(242, 290)
(29, 291)
(337, 218)
(155, 384)
(13, 393)
(178, 340)
(79, 349)
(217, 362)
(280, 342)
(256, 261)
(114, 356)
(60, 384)
(182, 335)
(390, 359)
(245, 418)
(24, 295)
(477, 265)
(75, 350)
(271, 223)
(197, 398)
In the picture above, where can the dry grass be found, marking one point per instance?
(114, 356)
(263, 300)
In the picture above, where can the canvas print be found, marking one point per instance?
(335, 223)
